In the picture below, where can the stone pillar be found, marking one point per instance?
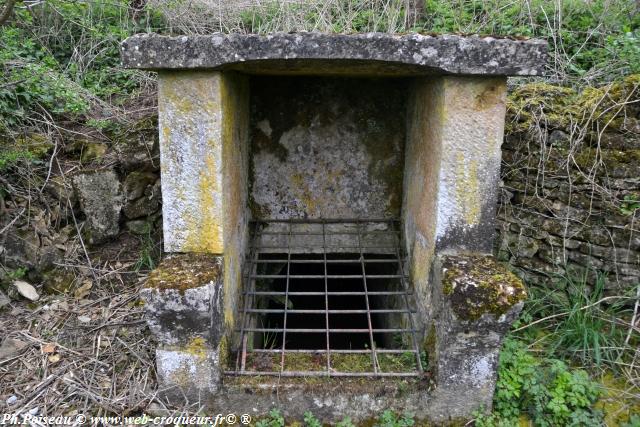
(476, 300)
(183, 306)
(204, 124)
(452, 166)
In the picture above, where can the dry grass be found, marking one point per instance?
(80, 356)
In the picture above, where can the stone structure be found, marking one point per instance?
(571, 186)
(333, 126)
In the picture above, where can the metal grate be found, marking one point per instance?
(326, 298)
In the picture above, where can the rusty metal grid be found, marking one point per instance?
(376, 241)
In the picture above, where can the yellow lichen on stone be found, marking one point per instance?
(467, 190)
(184, 271)
(197, 347)
(205, 233)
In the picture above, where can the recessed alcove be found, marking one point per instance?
(338, 186)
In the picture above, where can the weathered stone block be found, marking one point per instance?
(317, 53)
(477, 300)
(143, 206)
(100, 196)
(188, 375)
(136, 182)
(183, 299)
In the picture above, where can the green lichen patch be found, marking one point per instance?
(197, 347)
(185, 271)
(305, 362)
(623, 163)
(351, 385)
(477, 285)
(340, 362)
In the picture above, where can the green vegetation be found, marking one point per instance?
(559, 364)
(578, 322)
(391, 419)
(388, 418)
(150, 251)
(594, 40)
(275, 419)
(60, 59)
(544, 390)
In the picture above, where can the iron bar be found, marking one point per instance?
(333, 330)
(406, 301)
(344, 293)
(374, 359)
(313, 271)
(324, 276)
(286, 301)
(326, 297)
(335, 350)
(321, 374)
(334, 311)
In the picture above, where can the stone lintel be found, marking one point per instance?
(321, 53)
(183, 300)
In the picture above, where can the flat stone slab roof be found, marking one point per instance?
(320, 53)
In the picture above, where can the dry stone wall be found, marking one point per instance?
(571, 184)
(101, 191)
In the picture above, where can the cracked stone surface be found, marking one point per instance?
(320, 53)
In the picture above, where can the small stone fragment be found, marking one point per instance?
(100, 198)
(138, 226)
(57, 281)
(26, 290)
(93, 151)
(136, 182)
(11, 347)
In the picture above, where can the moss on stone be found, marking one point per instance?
(617, 400)
(478, 285)
(556, 107)
(347, 385)
(403, 362)
(348, 363)
(185, 271)
(612, 159)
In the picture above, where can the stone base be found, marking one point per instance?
(331, 400)
(476, 301)
(188, 377)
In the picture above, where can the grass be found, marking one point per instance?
(579, 323)
(589, 41)
(340, 362)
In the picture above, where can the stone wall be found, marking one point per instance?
(571, 184)
(106, 185)
(327, 147)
